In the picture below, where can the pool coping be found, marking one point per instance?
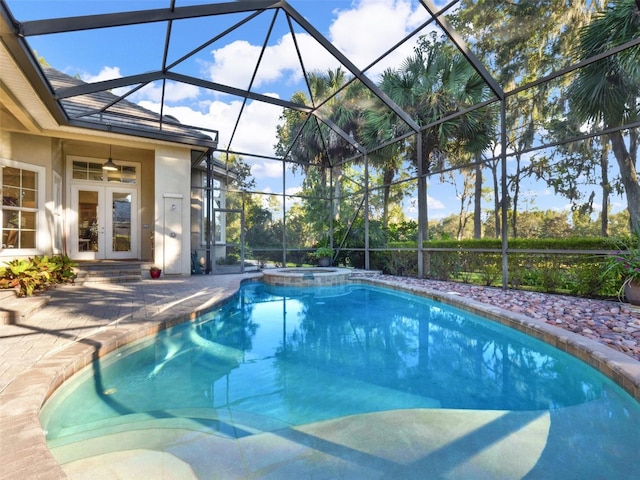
(25, 454)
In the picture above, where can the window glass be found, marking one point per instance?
(19, 207)
(95, 173)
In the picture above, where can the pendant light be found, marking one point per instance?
(110, 166)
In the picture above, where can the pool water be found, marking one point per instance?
(349, 364)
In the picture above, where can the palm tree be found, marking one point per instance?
(309, 139)
(435, 82)
(606, 92)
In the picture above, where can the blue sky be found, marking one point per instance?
(354, 28)
(361, 29)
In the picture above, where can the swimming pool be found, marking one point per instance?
(349, 381)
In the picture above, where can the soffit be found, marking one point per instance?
(19, 97)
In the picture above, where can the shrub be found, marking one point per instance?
(36, 273)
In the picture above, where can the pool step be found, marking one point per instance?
(121, 271)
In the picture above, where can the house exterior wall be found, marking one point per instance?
(165, 171)
(24, 150)
(172, 189)
(145, 157)
(31, 138)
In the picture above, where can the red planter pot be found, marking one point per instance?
(155, 273)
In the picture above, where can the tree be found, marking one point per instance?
(606, 92)
(310, 140)
(520, 42)
(435, 82)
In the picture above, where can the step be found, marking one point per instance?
(14, 308)
(108, 272)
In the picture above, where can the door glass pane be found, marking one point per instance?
(121, 222)
(87, 221)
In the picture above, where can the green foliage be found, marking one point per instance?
(405, 231)
(36, 273)
(323, 252)
(64, 269)
(536, 264)
(229, 259)
(624, 265)
(395, 263)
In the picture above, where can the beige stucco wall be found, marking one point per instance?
(146, 158)
(172, 187)
(37, 151)
(165, 173)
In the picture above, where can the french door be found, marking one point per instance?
(103, 223)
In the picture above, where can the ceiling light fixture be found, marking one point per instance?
(112, 167)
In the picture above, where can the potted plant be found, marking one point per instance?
(155, 272)
(625, 264)
(324, 256)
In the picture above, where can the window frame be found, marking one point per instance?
(105, 178)
(217, 217)
(39, 210)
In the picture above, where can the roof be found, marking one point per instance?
(155, 30)
(100, 109)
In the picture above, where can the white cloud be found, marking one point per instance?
(234, 64)
(107, 73)
(358, 33)
(173, 92)
(434, 204)
(221, 116)
(267, 169)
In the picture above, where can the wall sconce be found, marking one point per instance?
(110, 166)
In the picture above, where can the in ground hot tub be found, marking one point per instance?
(306, 276)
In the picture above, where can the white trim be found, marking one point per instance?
(106, 188)
(42, 235)
(57, 212)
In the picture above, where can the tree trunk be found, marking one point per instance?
(477, 208)
(516, 192)
(496, 201)
(387, 178)
(606, 189)
(629, 177)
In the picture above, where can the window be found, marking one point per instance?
(217, 204)
(91, 171)
(20, 198)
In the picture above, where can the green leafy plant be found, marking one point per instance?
(36, 273)
(230, 259)
(323, 252)
(64, 271)
(624, 263)
(23, 274)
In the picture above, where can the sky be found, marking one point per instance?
(354, 27)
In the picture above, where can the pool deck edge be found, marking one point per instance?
(23, 448)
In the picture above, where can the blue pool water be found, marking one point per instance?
(278, 357)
